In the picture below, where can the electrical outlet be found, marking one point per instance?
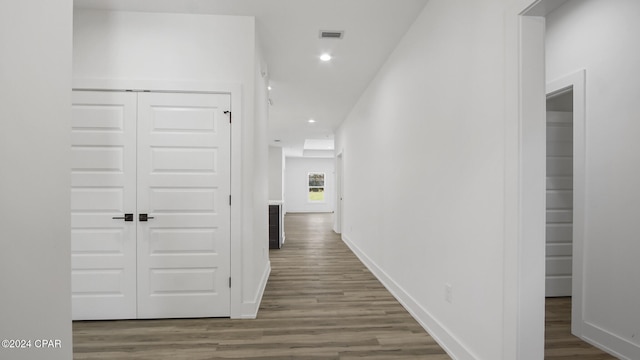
(448, 293)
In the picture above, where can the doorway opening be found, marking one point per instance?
(559, 194)
(565, 194)
(565, 210)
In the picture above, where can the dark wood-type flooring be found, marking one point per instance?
(320, 303)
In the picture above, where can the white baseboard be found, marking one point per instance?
(448, 342)
(250, 309)
(607, 341)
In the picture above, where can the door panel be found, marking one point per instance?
(103, 186)
(183, 184)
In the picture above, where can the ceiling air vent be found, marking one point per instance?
(327, 34)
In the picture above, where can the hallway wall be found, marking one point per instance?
(601, 37)
(427, 137)
(35, 163)
(276, 173)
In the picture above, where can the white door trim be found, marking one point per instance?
(235, 90)
(525, 166)
(577, 82)
(339, 193)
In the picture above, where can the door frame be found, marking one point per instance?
(524, 185)
(235, 91)
(576, 82)
(339, 193)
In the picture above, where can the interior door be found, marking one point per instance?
(183, 190)
(103, 190)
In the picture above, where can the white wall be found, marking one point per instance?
(601, 37)
(259, 266)
(35, 113)
(428, 139)
(181, 48)
(158, 46)
(276, 173)
(296, 184)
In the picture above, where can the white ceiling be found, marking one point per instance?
(318, 144)
(303, 87)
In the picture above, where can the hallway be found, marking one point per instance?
(328, 304)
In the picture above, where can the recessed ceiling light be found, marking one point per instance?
(268, 87)
(311, 121)
(325, 57)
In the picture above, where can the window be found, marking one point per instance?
(316, 187)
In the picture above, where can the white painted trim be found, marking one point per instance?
(437, 330)
(339, 181)
(510, 306)
(525, 166)
(542, 7)
(608, 341)
(577, 82)
(250, 309)
(154, 85)
(532, 171)
(235, 90)
(236, 198)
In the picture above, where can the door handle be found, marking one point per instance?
(126, 217)
(144, 217)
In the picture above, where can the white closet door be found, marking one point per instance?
(103, 187)
(183, 187)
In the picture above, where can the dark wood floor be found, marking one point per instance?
(320, 303)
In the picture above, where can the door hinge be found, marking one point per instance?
(229, 200)
(228, 112)
(229, 282)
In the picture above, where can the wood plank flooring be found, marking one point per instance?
(559, 343)
(320, 303)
